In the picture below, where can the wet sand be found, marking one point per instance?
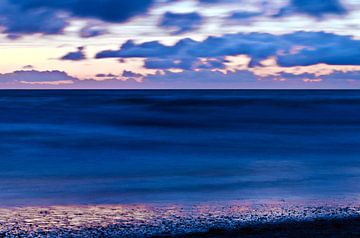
(235, 219)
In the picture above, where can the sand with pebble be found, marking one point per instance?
(162, 220)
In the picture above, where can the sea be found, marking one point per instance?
(79, 147)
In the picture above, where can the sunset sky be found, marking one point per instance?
(179, 44)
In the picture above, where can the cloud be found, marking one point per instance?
(320, 47)
(188, 63)
(60, 79)
(29, 66)
(17, 21)
(19, 17)
(53, 83)
(243, 15)
(180, 23)
(130, 74)
(105, 76)
(335, 80)
(314, 8)
(92, 30)
(202, 78)
(106, 10)
(218, 1)
(169, 63)
(76, 55)
(247, 79)
(340, 75)
(131, 50)
(50, 17)
(37, 77)
(293, 49)
(211, 63)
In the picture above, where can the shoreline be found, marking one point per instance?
(242, 218)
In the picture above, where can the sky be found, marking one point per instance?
(180, 44)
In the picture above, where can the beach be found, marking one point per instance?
(234, 219)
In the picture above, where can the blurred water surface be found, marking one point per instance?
(105, 147)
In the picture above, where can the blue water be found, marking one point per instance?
(105, 147)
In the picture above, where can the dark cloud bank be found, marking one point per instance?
(294, 49)
(21, 17)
